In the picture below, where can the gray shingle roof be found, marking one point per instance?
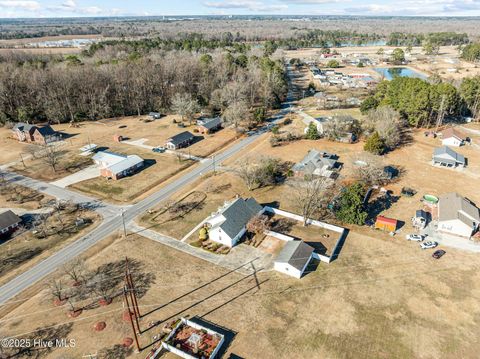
(295, 253)
(181, 138)
(237, 215)
(210, 123)
(445, 154)
(315, 159)
(452, 206)
(8, 219)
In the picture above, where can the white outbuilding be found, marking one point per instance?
(457, 215)
(294, 258)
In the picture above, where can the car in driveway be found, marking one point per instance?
(414, 237)
(438, 254)
(429, 244)
(158, 149)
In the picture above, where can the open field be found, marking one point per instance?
(381, 298)
(25, 249)
(15, 148)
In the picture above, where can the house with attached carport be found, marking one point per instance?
(446, 157)
(229, 223)
(294, 258)
(457, 215)
(115, 165)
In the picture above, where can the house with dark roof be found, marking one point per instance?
(229, 224)
(209, 125)
(457, 215)
(317, 163)
(9, 222)
(26, 132)
(446, 157)
(294, 258)
(180, 140)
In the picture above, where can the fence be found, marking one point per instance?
(340, 230)
(280, 236)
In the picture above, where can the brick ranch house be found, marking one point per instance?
(180, 140)
(116, 166)
(26, 132)
(209, 125)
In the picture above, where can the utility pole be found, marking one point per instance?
(124, 226)
(130, 318)
(23, 162)
(213, 159)
(441, 114)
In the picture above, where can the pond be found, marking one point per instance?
(390, 72)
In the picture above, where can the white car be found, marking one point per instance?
(429, 244)
(414, 237)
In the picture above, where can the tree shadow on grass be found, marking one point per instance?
(118, 351)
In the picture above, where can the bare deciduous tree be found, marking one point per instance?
(310, 196)
(56, 289)
(388, 123)
(76, 270)
(258, 224)
(235, 113)
(369, 169)
(51, 155)
(185, 106)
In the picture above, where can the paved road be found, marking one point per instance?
(113, 215)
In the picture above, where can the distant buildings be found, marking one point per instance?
(457, 215)
(115, 166)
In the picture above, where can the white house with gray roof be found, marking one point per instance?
(446, 157)
(294, 258)
(317, 163)
(229, 223)
(457, 215)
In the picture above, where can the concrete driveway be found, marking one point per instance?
(82, 175)
(450, 240)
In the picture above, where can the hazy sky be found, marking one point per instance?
(55, 8)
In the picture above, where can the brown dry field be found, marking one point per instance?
(11, 148)
(24, 242)
(380, 299)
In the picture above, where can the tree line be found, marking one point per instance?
(116, 81)
(421, 102)
(434, 38)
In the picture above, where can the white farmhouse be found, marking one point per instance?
(457, 215)
(294, 258)
(453, 137)
(229, 224)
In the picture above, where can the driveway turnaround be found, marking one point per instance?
(87, 173)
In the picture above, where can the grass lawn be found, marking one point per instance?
(380, 299)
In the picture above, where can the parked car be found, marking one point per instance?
(158, 149)
(429, 244)
(438, 254)
(409, 192)
(414, 237)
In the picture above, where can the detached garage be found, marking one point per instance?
(294, 258)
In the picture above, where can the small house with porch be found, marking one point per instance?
(453, 137)
(446, 157)
(26, 132)
(180, 140)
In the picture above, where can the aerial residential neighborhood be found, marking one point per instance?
(251, 182)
